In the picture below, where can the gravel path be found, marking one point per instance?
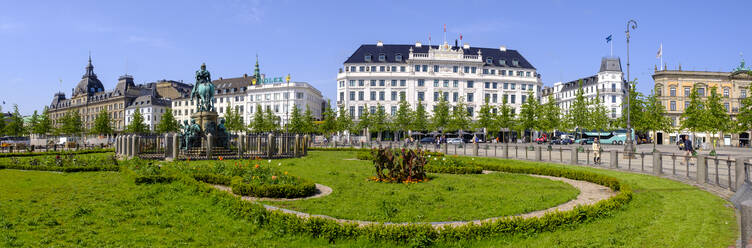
(589, 193)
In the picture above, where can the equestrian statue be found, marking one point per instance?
(203, 90)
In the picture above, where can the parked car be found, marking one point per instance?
(565, 141)
(586, 141)
(428, 140)
(541, 139)
(455, 141)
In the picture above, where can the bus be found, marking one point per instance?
(616, 137)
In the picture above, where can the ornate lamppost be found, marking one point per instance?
(628, 144)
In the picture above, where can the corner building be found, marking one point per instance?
(385, 74)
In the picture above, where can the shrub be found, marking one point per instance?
(31, 154)
(62, 163)
(451, 165)
(401, 165)
(364, 155)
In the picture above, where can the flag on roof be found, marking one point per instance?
(608, 39)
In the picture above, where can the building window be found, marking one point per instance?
(455, 95)
(672, 91)
(373, 95)
(472, 70)
(361, 83)
(394, 83)
(402, 69)
(446, 96)
(352, 95)
(524, 97)
(495, 85)
(394, 110)
(512, 99)
(435, 68)
(485, 71)
(417, 68)
(487, 85)
(360, 95)
(527, 74)
(470, 111)
(455, 69)
(372, 109)
(701, 91)
(435, 96)
(469, 97)
(421, 96)
(613, 112)
(382, 57)
(352, 111)
(360, 111)
(446, 83)
(436, 83)
(470, 84)
(743, 93)
(382, 68)
(686, 105)
(382, 96)
(687, 91)
(373, 82)
(342, 96)
(382, 83)
(394, 96)
(725, 92)
(494, 98)
(421, 82)
(613, 99)
(467, 69)
(403, 82)
(523, 87)
(673, 106)
(398, 57)
(511, 86)
(402, 95)
(455, 83)
(425, 68)
(373, 68)
(368, 57)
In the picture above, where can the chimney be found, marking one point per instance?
(466, 46)
(503, 48)
(417, 44)
(381, 44)
(245, 75)
(220, 78)
(455, 42)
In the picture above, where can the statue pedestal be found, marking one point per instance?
(204, 118)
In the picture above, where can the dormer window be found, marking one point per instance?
(489, 60)
(368, 57)
(382, 57)
(502, 62)
(398, 57)
(515, 62)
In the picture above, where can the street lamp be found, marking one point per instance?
(628, 146)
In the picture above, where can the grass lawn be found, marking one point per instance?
(446, 197)
(95, 209)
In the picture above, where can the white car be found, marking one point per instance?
(454, 141)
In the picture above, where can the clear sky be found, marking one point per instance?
(43, 42)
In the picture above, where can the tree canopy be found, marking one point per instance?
(168, 123)
(102, 123)
(137, 123)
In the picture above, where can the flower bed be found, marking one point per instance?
(451, 165)
(31, 154)
(64, 163)
(401, 166)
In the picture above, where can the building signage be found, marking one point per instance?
(273, 80)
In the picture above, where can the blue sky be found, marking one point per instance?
(42, 42)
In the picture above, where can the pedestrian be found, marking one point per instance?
(689, 150)
(596, 151)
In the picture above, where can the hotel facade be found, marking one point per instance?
(383, 74)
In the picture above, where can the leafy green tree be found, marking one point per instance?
(329, 125)
(636, 109)
(744, 118)
(380, 121)
(420, 122)
(404, 118)
(44, 125)
(258, 124)
(71, 123)
(598, 115)
(528, 119)
(578, 113)
(717, 120)
(365, 123)
(694, 115)
(2, 122)
(655, 116)
(308, 124)
(271, 121)
(550, 116)
(33, 122)
(296, 124)
(486, 118)
(15, 126)
(460, 119)
(102, 123)
(505, 119)
(137, 123)
(168, 123)
(441, 119)
(344, 120)
(233, 120)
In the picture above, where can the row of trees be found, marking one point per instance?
(711, 117)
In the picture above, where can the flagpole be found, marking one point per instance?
(612, 48)
(661, 55)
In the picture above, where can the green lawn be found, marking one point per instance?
(446, 197)
(95, 209)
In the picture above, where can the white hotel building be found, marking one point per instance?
(608, 83)
(384, 74)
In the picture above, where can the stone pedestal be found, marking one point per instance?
(657, 163)
(614, 162)
(573, 157)
(204, 118)
(702, 169)
(538, 154)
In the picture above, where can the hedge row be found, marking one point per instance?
(61, 168)
(592, 177)
(150, 179)
(30, 154)
(303, 189)
(424, 234)
(353, 149)
(454, 169)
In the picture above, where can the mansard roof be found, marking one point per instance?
(391, 51)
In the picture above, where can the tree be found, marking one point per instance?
(420, 122)
(505, 118)
(257, 124)
(137, 123)
(271, 121)
(344, 120)
(694, 114)
(308, 125)
(102, 123)
(168, 123)
(15, 126)
(655, 116)
(295, 124)
(598, 115)
(233, 119)
(578, 113)
(460, 118)
(404, 118)
(635, 110)
(744, 118)
(71, 123)
(380, 121)
(329, 125)
(528, 119)
(717, 119)
(365, 123)
(440, 120)
(33, 122)
(486, 118)
(550, 116)
(44, 125)
(2, 122)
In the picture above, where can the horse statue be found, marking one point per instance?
(203, 90)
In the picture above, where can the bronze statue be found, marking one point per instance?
(203, 90)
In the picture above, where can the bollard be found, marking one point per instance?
(446, 148)
(296, 150)
(573, 158)
(117, 145)
(614, 159)
(168, 146)
(127, 146)
(209, 145)
(136, 145)
(538, 156)
(740, 173)
(657, 163)
(175, 145)
(506, 150)
(702, 169)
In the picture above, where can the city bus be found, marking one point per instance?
(616, 137)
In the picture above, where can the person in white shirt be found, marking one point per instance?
(596, 151)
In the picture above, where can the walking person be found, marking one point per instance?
(689, 150)
(596, 151)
